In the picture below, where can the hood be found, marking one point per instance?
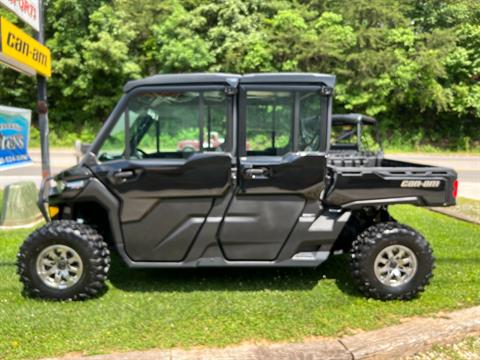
(77, 172)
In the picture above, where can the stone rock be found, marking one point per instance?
(20, 204)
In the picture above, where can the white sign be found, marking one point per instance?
(14, 135)
(27, 10)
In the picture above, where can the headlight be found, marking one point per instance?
(59, 186)
(74, 185)
(55, 187)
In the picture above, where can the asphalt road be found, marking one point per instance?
(60, 160)
(467, 167)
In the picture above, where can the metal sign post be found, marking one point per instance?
(42, 107)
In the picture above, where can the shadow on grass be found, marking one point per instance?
(7, 263)
(456, 261)
(234, 279)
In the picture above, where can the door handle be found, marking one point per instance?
(122, 176)
(256, 173)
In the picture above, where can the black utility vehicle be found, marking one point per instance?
(265, 197)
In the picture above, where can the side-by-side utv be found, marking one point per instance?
(264, 197)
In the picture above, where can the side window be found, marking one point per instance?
(269, 122)
(311, 113)
(176, 124)
(114, 146)
(272, 116)
(173, 124)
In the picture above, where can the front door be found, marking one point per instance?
(167, 159)
(281, 166)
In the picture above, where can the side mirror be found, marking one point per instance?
(90, 159)
(81, 149)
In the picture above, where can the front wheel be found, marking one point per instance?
(391, 261)
(63, 260)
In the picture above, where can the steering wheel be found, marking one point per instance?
(307, 145)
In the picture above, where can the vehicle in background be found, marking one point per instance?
(354, 140)
(194, 145)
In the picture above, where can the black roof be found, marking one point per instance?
(353, 119)
(231, 79)
(311, 78)
(179, 79)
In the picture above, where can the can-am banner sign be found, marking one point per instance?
(27, 10)
(14, 135)
(22, 52)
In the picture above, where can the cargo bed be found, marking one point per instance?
(390, 182)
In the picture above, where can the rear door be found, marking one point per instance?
(167, 158)
(282, 142)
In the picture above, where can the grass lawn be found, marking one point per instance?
(215, 307)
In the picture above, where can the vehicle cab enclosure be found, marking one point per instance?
(253, 199)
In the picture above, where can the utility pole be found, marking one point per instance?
(42, 106)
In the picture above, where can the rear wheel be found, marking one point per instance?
(64, 260)
(391, 261)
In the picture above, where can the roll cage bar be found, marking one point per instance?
(357, 120)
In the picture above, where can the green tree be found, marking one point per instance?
(176, 45)
(414, 64)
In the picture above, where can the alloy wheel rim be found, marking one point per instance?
(395, 265)
(59, 266)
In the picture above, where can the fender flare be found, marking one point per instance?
(97, 192)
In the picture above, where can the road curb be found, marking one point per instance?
(414, 336)
(453, 215)
(393, 342)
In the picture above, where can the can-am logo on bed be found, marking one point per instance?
(420, 184)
